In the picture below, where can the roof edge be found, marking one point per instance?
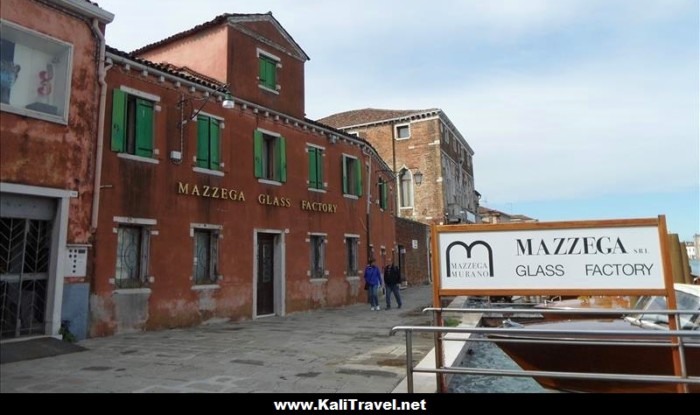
(86, 9)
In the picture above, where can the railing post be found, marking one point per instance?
(409, 361)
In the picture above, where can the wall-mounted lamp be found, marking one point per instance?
(418, 177)
(227, 103)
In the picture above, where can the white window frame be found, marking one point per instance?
(356, 238)
(146, 233)
(396, 131)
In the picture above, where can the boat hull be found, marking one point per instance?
(618, 359)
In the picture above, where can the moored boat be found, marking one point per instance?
(635, 360)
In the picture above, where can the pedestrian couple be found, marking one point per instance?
(373, 282)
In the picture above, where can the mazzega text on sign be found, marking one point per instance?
(568, 259)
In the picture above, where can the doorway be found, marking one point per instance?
(268, 275)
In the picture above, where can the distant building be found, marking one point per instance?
(496, 216)
(691, 249)
(432, 161)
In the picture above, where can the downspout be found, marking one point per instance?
(369, 203)
(101, 74)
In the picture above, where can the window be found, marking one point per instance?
(403, 131)
(132, 124)
(383, 194)
(205, 267)
(354, 134)
(208, 143)
(132, 256)
(352, 176)
(268, 71)
(315, 167)
(318, 256)
(351, 245)
(35, 71)
(406, 188)
(270, 157)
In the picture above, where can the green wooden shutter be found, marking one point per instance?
(272, 74)
(313, 170)
(262, 69)
(383, 195)
(345, 175)
(282, 157)
(214, 144)
(144, 128)
(118, 120)
(358, 175)
(258, 150)
(319, 168)
(203, 142)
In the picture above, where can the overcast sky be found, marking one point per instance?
(576, 109)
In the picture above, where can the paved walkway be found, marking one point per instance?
(343, 350)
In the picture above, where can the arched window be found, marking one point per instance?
(406, 188)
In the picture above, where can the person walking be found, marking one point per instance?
(373, 280)
(392, 279)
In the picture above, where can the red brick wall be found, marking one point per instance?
(416, 269)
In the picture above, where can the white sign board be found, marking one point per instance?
(590, 258)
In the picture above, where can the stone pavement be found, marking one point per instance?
(342, 350)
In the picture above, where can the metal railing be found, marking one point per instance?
(578, 337)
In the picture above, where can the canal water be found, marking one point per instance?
(486, 355)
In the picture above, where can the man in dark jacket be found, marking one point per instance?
(392, 279)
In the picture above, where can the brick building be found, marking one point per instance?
(243, 212)
(413, 239)
(425, 144)
(51, 60)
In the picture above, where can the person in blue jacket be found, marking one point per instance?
(373, 280)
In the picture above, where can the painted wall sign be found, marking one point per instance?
(541, 258)
(318, 206)
(210, 191)
(268, 200)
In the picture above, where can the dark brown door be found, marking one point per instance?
(266, 274)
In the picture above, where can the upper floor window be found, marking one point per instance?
(208, 143)
(403, 131)
(35, 73)
(383, 194)
(267, 75)
(132, 123)
(315, 167)
(352, 176)
(406, 188)
(270, 157)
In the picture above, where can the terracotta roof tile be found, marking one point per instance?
(368, 115)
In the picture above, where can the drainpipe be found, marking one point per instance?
(369, 201)
(101, 73)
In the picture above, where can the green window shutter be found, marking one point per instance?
(214, 144)
(282, 157)
(262, 72)
(319, 168)
(118, 120)
(313, 171)
(258, 150)
(383, 195)
(203, 142)
(345, 175)
(272, 74)
(358, 182)
(144, 128)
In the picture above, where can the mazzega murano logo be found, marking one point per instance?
(476, 262)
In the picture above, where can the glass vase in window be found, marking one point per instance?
(43, 92)
(8, 76)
